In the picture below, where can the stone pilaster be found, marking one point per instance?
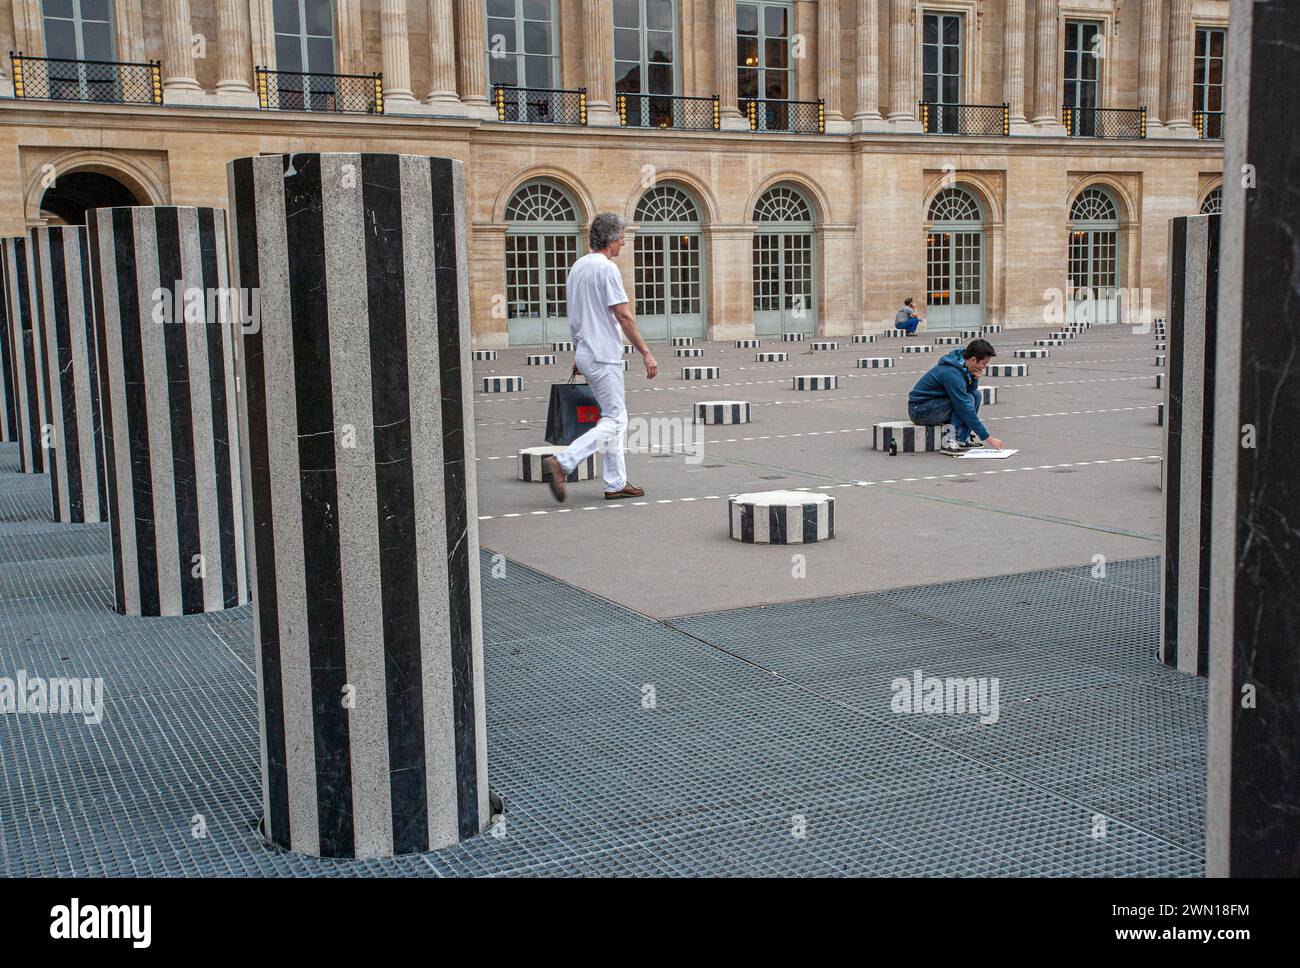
(1149, 61)
(442, 97)
(724, 61)
(349, 38)
(597, 66)
(1182, 39)
(1013, 65)
(235, 54)
(828, 65)
(397, 55)
(902, 66)
(866, 115)
(1047, 76)
(471, 59)
(179, 83)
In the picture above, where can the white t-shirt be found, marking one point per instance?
(594, 285)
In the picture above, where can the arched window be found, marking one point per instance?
(1094, 263)
(784, 243)
(542, 242)
(1093, 205)
(954, 258)
(668, 265)
(1213, 204)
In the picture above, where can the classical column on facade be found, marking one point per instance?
(828, 66)
(597, 66)
(724, 60)
(397, 55)
(442, 97)
(902, 66)
(234, 54)
(1181, 40)
(1149, 60)
(1013, 71)
(866, 113)
(1047, 78)
(349, 37)
(471, 59)
(180, 85)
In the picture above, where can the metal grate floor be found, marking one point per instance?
(767, 723)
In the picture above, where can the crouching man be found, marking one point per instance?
(950, 393)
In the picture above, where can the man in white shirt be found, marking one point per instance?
(600, 319)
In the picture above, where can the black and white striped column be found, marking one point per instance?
(8, 402)
(722, 412)
(358, 438)
(907, 437)
(70, 384)
(771, 357)
(781, 517)
(530, 465)
(166, 327)
(32, 426)
(815, 382)
(1189, 426)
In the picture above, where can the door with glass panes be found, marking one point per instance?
(784, 245)
(645, 60)
(77, 31)
(668, 265)
(954, 262)
(764, 67)
(1082, 81)
(543, 240)
(1093, 271)
(941, 66)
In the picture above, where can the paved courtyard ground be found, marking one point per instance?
(662, 700)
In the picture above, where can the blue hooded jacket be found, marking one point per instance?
(949, 378)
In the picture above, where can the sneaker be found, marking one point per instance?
(950, 445)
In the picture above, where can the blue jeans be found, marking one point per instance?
(910, 325)
(940, 411)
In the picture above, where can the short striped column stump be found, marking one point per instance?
(628, 349)
(970, 333)
(364, 546)
(992, 328)
(911, 438)
(66, 325)
(1062, 334)
(1008, 369)
(781, 517)
(1160, 361)
(531, 465)
(722, 412)
(27, 355)
(626, 364)
(875, 362)
(948, 341)
(748, 344)
(503, 384)
(1160, 381)
(485, 354)
(818, 382)
(1161, 347)
(688, 351)
(171, 423)
(701, 372)
(1160, 414)
(540, 359)
(917, 348)
(893, 334)
(1049, 342)
(562, 346)
(864, 337)
(988, 396)
(683, 341)
(792, 337)
(1040, 354)
(824, 344)
(771, 357)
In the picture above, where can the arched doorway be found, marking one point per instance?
(954, 261)
(1094, 258)
(784, 296)
(668, 264)
(543, 240)
(1213, 204)
(73, 194)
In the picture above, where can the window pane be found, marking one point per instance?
(659, 47)
(627, 44)
(951, 60)
(60, 39)
(659, 14)
(1071, 35)
(774, 21)
(777, 87)
(776, 53)
(504, 70)
(537, 10)
(94, 10)
(1202, 39)
(627, 77)
(537, 71)
(930, 87)
(501, 8)
(97, 41)
(57, 8)
(501, 36)
(1216, 72)
(661, 79)
(627, 13)
(930, 59)
(747, 83)
(288, 53)
(746, 18)
(952, 30)
(951, 90)
(320, 55)
(1216, 43)
(931, 30)
(747, 51)
(1089, 65)
(1071, 64)
(319, 20)
(537, 37)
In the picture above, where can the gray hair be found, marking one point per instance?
(606, 227)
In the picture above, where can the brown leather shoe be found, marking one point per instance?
(629, 490)
(555, 477)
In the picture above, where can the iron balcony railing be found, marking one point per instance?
(668, 111)
(785, 116)
(101, 82)
(1104, 122)
(988, 119)
(325, 93)
(1209, 124)
(540, 105)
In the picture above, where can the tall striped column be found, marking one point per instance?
(165, 319)
(1189, 437)
(357, 431)
(66, 321)
(8, 402)
(26, 352)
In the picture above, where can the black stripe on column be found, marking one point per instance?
(1174, 419)
(460, 612)
(265, 597)
(7, 371)
(92, 361)
(314, 396)
(61, 366)
(1207, 439)
(100, 350)
(777, 532)
(810, 523)
(395, 491)
(747, 523)
(830, 519)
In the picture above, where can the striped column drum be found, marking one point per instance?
(1063, 334)
(781, 517)
(8, 401)
(541, 359)
(562, 346)
(1160, 414)
(1161, 347)
(918, 348)
(1049, 342)
(970, 333)
(165, 340)
(688, 351)
(27, 354)
(993, 328)
(531, 467)
(70, 384)
(628, 349)
(911, 438)
(1039, 354)
(722, 412)
(683, 341)
(701, 372)
(864, 337)
(824, 344)
(875, 362)
(485, 354)
(771, 357)
(626, 364)
(948, 341)
(893, 334)
(1160, 361)
(357, 415)
(988, 396)
(792, 337)
(503, 384)
(1008, 369)
(817, 382)
(1160, 381)
(748, 344)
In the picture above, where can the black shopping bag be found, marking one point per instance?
(572, 412)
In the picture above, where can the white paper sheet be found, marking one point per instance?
(986, 453)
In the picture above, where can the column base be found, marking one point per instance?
(733, 122)
(479, 108)
(1049, 128)
(602, 116)
(904, 124)
(236, 95)
(1177, 129)
(184, 91)
(445, 104)
(1021, 126)
(838, 126)
(866, 123)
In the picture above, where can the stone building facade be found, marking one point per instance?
(785, 164)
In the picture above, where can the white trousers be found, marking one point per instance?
(609, 436)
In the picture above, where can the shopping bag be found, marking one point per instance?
(573, 411)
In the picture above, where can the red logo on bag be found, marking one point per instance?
(588, 414)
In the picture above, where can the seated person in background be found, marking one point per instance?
(949, 393)
(906, 318)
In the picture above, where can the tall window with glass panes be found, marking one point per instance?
(1207, 91)
(1083, 58)
(764, 66)
(645, 61)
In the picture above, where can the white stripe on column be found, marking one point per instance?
(79, 309)
(48, 375)
(230, 342)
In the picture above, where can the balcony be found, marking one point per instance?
(1104, 122)
(99, 82)
(540, 105)
(1209, 124)
(787, 117)
(323, 93)
(668, 111)
(974, 119)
